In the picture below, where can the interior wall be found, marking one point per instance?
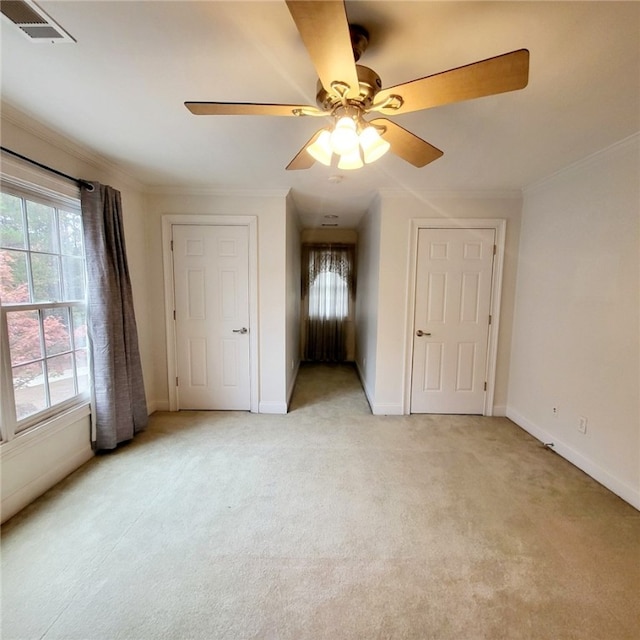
(274, 307)
(346, 236)
(576, 340)
(396, 212)
(366, 316)
(292, 332)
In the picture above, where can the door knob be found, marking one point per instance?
(421, 333)
(243, 330)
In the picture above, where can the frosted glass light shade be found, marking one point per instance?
(373, 146)
(344, 138)
(321, 150)
(351, 160)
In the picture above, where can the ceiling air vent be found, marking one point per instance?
(33, 22)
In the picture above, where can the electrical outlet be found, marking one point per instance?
(582, 424)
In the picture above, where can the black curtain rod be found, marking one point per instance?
(78, 181)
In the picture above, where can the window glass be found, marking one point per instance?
(11, 222)
(79, 317)
(29, 390)
(25, 340)
(46, 277)
(14, 279)
(61, 379)
(70, 233)
(41, 222)
(329, 296)
(72, 278)
(56, 331)
(42, 292)
(82, 370)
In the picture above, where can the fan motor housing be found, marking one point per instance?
(369, 84)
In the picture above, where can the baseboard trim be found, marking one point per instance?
(364, 385)
(157, 405)
(272, 407)
(617, 486)
(499, 410)
(292, 385)
(380, 409)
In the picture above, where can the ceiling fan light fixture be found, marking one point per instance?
(373, 146)
(321, 149)
(351, 160)
(344, 137)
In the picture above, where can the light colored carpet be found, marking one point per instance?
(326, 523)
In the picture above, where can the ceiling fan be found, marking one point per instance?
(347, 92)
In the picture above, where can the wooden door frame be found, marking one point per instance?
(251, 222)
(499, 225)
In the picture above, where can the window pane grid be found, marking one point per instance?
(42, 291)
(53, 376)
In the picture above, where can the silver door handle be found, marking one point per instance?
(243, 330)
(421, 333)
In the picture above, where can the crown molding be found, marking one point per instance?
(469, 194)
(583, 163)
(44, 133)
(220, 192)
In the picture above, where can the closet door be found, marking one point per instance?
(211, 280)
(451, 323)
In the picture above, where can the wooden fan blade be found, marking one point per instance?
(405, 144)
(507, 72)
(324, 29)
(304, 160)
(251, 109)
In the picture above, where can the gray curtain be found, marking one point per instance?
(120, 408)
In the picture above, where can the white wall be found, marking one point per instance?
(366, 316)
(39, 458)
(35, 461)
(274, 308)
(577, 328)
(292, 358)
(393, 237)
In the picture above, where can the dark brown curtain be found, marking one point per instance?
(120, 407)
(328, 283)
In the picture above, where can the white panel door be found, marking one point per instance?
(211, 280)
(451, 323)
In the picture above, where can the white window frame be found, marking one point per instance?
(14, 179)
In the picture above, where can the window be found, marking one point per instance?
(328, 286)
(42, 305)
(329, 296)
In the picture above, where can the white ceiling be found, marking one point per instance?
(120, 90)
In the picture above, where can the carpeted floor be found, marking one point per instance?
(327, 523)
